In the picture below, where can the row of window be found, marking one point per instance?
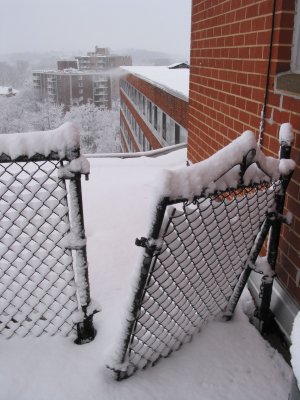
(140, 138)
(162, 125)
(127, 138)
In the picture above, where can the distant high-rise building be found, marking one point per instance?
(84, 79)
(73, 87)
(65, 64)
(102, 59)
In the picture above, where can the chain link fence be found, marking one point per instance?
(196, 262)
(44, 286)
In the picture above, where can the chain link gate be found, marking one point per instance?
(44, 286)
(196, 262)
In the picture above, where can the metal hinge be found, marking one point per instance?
(285, 219)
(148, 244)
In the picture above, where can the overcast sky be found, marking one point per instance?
(72, 25)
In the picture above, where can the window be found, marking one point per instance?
(155, 117)
(144, 143)
(144, 105)
(288, 83)
(135, 97)
(177, 133)
(135, 127)
(295, 64)
(164, 126)
(150, 112)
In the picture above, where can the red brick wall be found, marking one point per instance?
(229, 58)
(173, 106)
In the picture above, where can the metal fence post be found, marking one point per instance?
(253, 255)
(85, 329)
(264, 314)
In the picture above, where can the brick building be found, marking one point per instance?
(84, 79)
(237, 66)
(154, 107)
(101, 59)
(71, 86)
(65, 64)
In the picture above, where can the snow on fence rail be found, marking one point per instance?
(209, 228)
(150, 153)
(44, 287)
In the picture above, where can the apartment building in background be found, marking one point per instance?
(154, 107)
(242, 64)
(93, 78)
(101, 59)
(71, 86)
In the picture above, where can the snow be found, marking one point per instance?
(78, 165)
(173, 81)
(286, 134)
(286, 166)
(227, 361)
(262, 266)
(205, 175)
(60, 140)
(295, 348)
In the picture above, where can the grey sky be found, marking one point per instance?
(71, 25)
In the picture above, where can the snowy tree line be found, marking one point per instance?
(14, 75)
(23, 113)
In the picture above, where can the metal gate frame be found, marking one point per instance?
(152, 245)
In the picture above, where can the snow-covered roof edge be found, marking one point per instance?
(70, 71)
(182, 64)
(160, 86)
(63, 141)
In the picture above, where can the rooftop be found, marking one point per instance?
(173, 81)
(69, 71)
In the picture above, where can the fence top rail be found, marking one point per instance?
(151, 153)
(62, 143)
(241, 163)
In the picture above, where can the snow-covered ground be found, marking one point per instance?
(226, 361)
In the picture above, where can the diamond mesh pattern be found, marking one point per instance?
(37, 287)
(202, 250)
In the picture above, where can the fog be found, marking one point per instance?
(79, 25)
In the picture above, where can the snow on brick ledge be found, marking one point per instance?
(61, 141)
(221, 171)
